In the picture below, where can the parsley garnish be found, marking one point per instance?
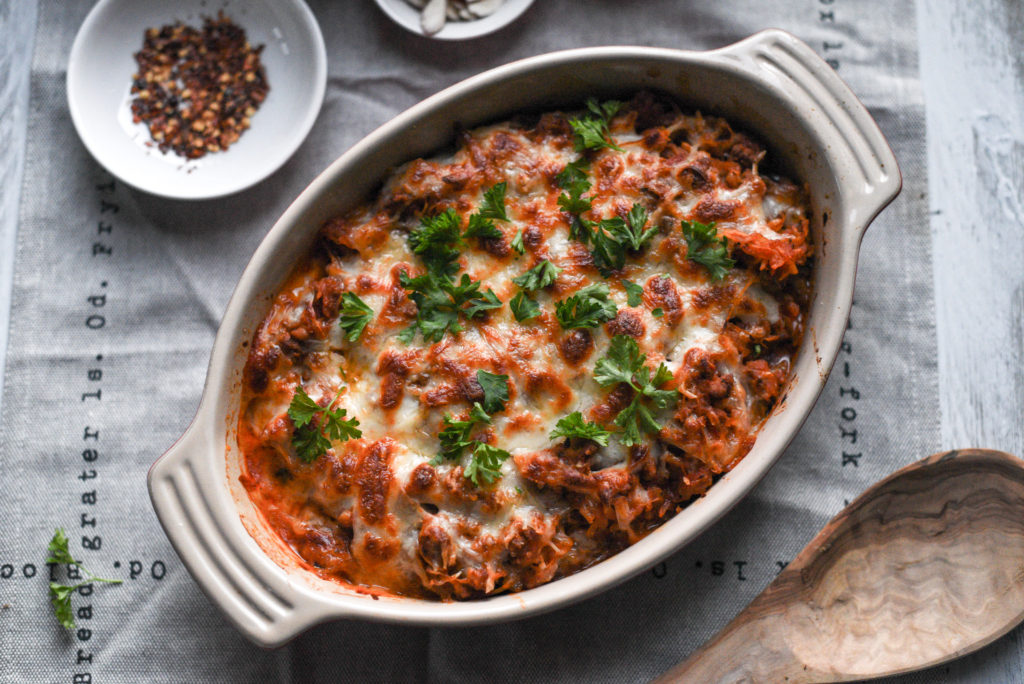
(538, 277)
(625, 363)
(613, 238)
(604, 110)
(439, 299)
(492, 207)
(60, 594)
(517, 242)
(574, 176)
(482, 228)
(479, 303)
(573, 425)
(439, 302)
(591, 130)
(588, 308)
(634, 293)
(437, 242)
(355, 315)
(316, 426)
(573, 179)
(523, 308)
(456, 434)
(657, 312)
(493, 204)
(495, 389)
(486, 463)
(705, 247)
(633, 231)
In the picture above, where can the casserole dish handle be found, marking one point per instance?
(864, 160)
(255, 595)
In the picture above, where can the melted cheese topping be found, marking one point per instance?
(375, 512)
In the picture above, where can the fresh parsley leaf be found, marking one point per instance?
(482, 227)
(495, 389)
(454, 438)
(573, 201)
(310, 443)
(436, 312)
(615, 237)
(480, 303)
(609, 254)
(620, 363)
(591, 130)
(58, 548)
(486, 463)
(60, 599)
(590, 134)
(523, 308)
(705, 247)
(302, 408)
(315, 426)
(538, 277)
(580, 228)
(355, 315)
(493, 204)
(573, 179)
(409, 334)
(604, 110)
(341, 429)
(478, 414)
(588, 308)
(574, 175)
(439, 301)
(757, 350)
(634, 293)
(573, 425)
(437, 242)
(634, 231)
(492, 208)
(625, 364)
(634, 420)
(517, 242)
(657, 312)
(60, 594)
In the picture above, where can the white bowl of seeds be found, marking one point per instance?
(453, 19)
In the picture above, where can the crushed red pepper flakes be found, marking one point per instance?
(197, 89)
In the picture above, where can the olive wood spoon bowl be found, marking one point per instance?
(924, 567)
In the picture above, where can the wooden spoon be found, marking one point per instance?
(924, 567)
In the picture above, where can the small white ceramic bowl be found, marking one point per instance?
(99, 79)
(770, 84)
(408, 17)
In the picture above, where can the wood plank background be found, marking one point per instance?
(972, 70)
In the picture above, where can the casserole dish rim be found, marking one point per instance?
(270, 603)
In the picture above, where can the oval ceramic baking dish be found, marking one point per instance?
(770, 84)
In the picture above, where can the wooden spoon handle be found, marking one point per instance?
(747, 650)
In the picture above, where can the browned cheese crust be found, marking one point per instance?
(380, 512)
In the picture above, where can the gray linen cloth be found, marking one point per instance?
(163, 287)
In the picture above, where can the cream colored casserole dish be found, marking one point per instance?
(771, 85)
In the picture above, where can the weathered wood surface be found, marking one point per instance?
(972, 69)
(924, 567)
